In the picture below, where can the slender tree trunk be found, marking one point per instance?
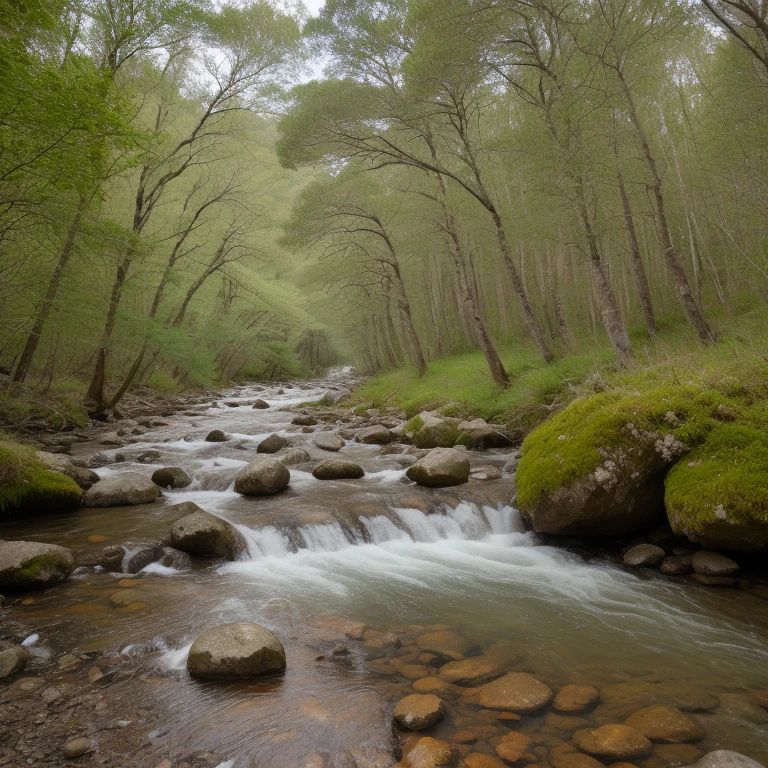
(674, 267)
(27, 356)
(638, 268)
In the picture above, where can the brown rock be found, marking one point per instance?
(744, 708)
(76, 748)
(614, 742)
(567, 723)
(677, 565)
(432, 684)
(566, 756)
(672, 755)
(644, 556)
(473, 671)
(516, 692)
(446, 643)
(713, 564)
(480, 760)
(429, 753)
(575, 698)
(418, 711)
(513, 747)
(760, 698)
(714, 581)
(660, 722)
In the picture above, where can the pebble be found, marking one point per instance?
(76, 747)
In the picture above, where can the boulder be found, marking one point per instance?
(479, 434)
(122, 490)
(111, 558)
(716, 495)
(13, 660)
(376, 435)
(216, 436)
(677, 565)
(174, 558)
(260, 405)
(334, 396)
(713, 564)
(597, 468)
(429, 753)
(337, 469)
(440, 468)
(291, 456)
(724, 758)
(57, 462)
(28, 565)
(273, 444)
(575, 698)
(262, 477)
(428, 430)
(660, 722)
(327, 441)
(418, 711)
(612, 742)
(171, 477)
(644, 556)
(516, 692)
(141, 558)
(304, 420)
(238, 650)
(200, 533)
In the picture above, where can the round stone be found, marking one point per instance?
(418, 711)
(660, 722)
(644, 556)
(76, 747)
(236, 650)
(613, 742)
(575, 698)
(516, 692)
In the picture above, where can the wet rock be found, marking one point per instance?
(375, 435)
(516, 692)
(418, 711)
(623, 699)
(337, 469)
(485, 472)
(429, 753)
(644, 556)
(263, 476)
(77, 748)
(667, 755)
(125, 597)
(216, 436)
(514, 746)
(440, 468)
(200, 533)
(237, 650)
(171, 477)
(575, 698)
(273, 444)
(432, 684)
(713, 564)
(724, 758)
(445, 643)
(291, 456)
(660, 722)
(743, 707)
(612, 742)
(260, 405)
(28, 565)
(111, 559)
(85, 478)
(327, 441)
(714, 581)
(428, 430)
(476, 670)
(304, 420)
(481, 760)
(480, 435)
(677, 565)
(175, 558)
(141, 558)
(13, 660)
(126, 489)
(566, 756)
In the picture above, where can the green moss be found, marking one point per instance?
(413, 425)
(27, 485)
(722, 483)
(465, 439)
(567, 447)
(34, 567)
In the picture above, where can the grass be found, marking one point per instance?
(461, 385)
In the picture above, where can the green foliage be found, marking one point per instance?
(27, 486)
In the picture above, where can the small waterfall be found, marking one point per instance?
(467, 521)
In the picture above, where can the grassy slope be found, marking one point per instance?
(462, 386)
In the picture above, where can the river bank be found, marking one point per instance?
(375, 586)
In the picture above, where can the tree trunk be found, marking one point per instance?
(27, 356)
(638, 268)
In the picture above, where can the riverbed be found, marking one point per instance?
(350, 575)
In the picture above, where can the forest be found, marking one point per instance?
(194, 193)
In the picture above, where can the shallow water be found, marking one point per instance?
(360, 549)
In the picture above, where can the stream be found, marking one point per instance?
(402, 562)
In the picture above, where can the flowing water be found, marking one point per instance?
(399, 560)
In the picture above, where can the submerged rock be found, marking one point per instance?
(171, 477)
(418, 711)
(429, 753)
(575, 698)
(514, 746)
(327, 441)
(612, 742)
(237, 650)
(660, 722)
(200, 533)
(126, 489)
(516, 692)
(28, 565)
(337, 469)
(263, 476)
(440, 468)
(273, 444)
(644, 555)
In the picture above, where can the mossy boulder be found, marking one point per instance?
(598, 467)
(718, 494)
(29, 565)
(27, 485)
(430, 431)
